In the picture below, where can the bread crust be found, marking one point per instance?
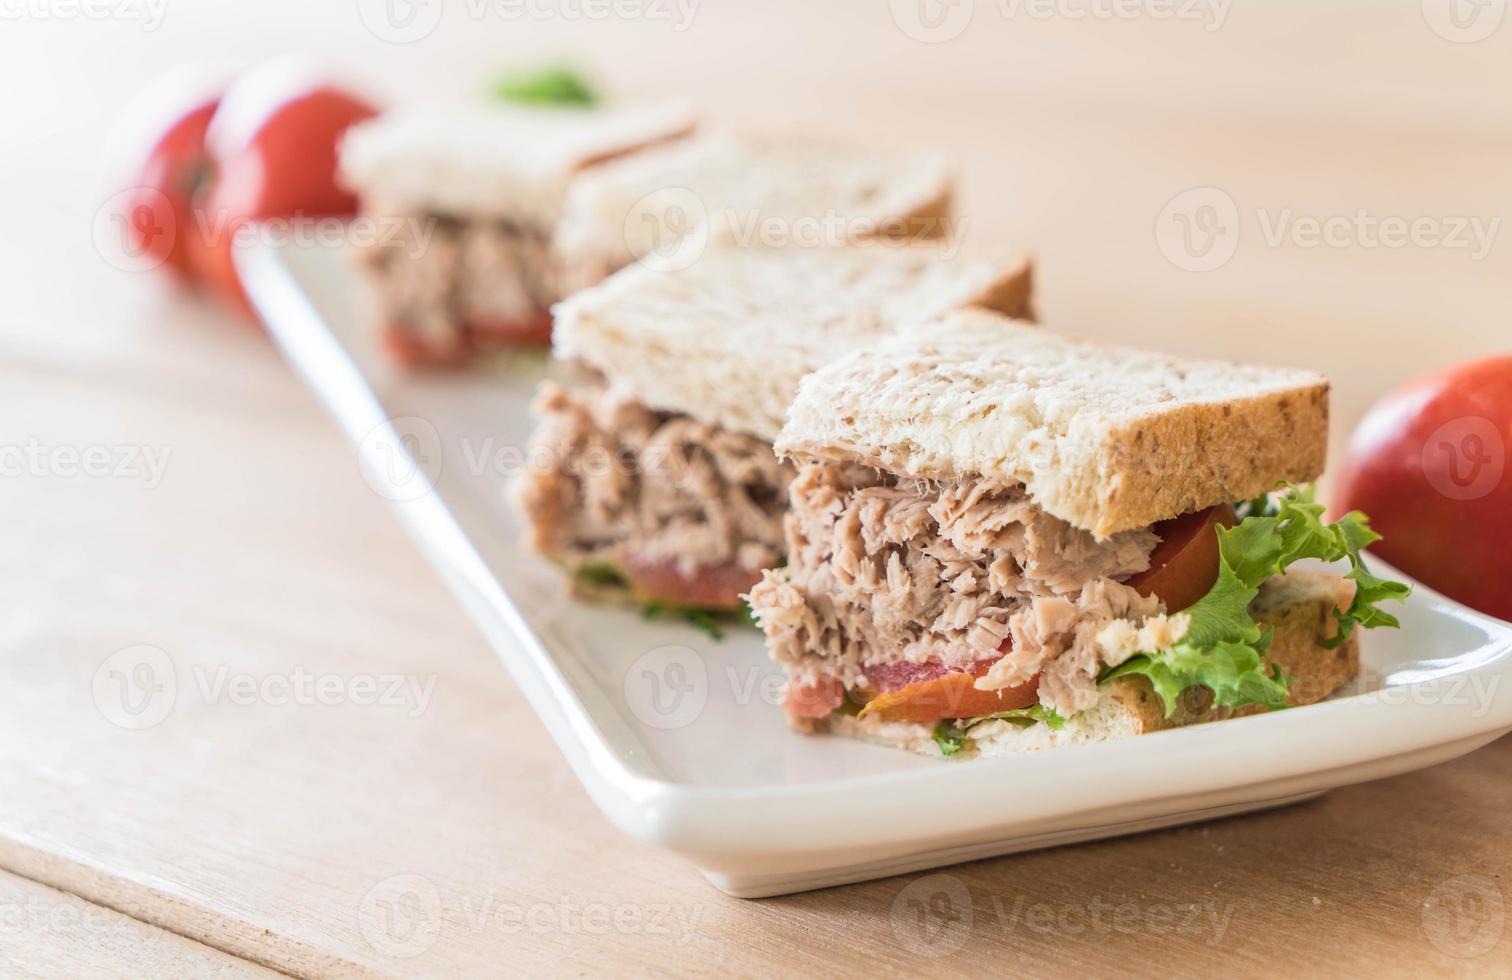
(1106, 438)
(723, 342)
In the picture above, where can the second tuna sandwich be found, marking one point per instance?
(653, 477)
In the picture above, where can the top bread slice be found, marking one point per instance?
(495, 160)
(727, 339)
(746, 187)
(1106, 438)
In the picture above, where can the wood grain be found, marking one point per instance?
(48, 933)
(341, 839)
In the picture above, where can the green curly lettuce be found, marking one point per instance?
(950, 735)
(1224, 648)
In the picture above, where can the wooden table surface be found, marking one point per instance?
(240, 540)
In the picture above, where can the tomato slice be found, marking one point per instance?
(951, 696)
(1184, 565)
(708, 587)
(532, 330)
(412, 352)
(814, 700)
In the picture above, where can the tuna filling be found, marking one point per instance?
(670, 502)
(469, 282)
(953, 575)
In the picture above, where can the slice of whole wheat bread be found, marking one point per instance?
(728, 339)
(1299, 606)
(748, 185)
(503, 161)
(1106, 438)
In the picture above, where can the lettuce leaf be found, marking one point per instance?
(1035, 714)
(557, 86)
(950, 735)
(949, 738)
(1224, 648)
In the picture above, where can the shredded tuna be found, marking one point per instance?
(466, 271)
(882, 571)
(607, 477)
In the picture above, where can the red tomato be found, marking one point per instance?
(814, 700)
(951, 696)
(276, 147)
(1428, 463)
(716, 587)
(1184, 565)
(160, 215)
(534, 330)
(413, 352)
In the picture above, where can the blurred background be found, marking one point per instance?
(1076, 123)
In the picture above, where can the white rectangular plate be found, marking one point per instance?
(680, 739)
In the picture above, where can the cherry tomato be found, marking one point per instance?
(274, 160)
(160, 214)
(1184, 565)
(1428, 464)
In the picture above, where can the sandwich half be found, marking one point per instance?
(1001, 539)
(753, 190)
(652, 476)
(464, 201)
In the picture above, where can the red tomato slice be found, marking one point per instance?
(1184, 565)
(951, 696)
(710, 587)
(403, 346)
(533, 330)
(814, 700)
